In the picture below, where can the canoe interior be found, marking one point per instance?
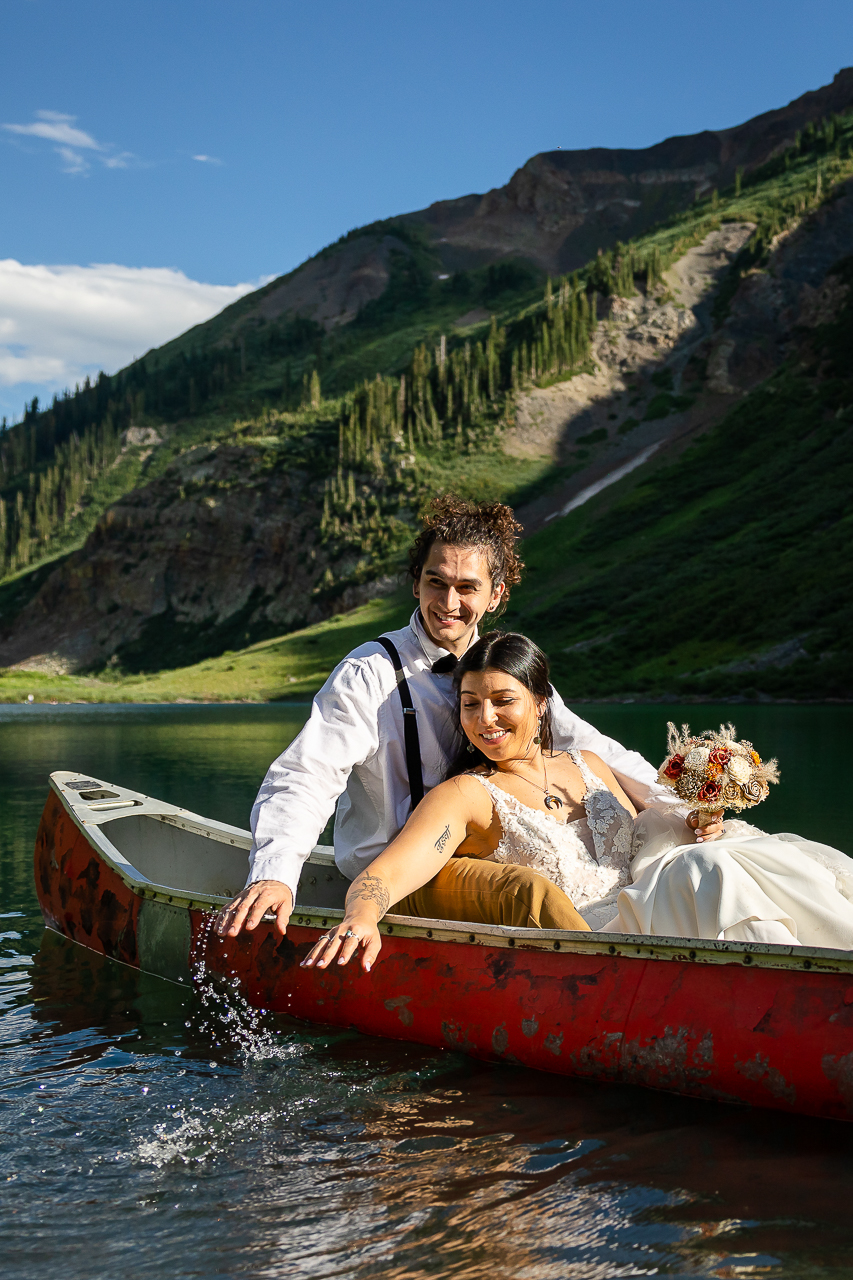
(175, 849)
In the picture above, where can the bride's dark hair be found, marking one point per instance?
(515, 656)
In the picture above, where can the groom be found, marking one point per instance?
(361, 749)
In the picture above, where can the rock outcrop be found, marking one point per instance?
(220, 550)
(562, 206)
(556, 211)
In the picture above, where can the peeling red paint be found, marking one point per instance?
(771, 1037)
(79, 894)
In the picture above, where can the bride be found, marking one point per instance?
(510, 798)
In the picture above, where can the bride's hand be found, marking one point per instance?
(713, 831)
(343, 941)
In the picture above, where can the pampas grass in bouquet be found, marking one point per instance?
(713, 771)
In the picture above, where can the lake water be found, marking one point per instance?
(146, 1133)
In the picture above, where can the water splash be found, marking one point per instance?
(201, 1135)
(230, 1021)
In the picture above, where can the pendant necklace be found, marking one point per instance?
(551, 802)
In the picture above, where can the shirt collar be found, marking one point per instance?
(432, 651)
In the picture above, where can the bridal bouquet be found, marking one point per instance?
(713, 771)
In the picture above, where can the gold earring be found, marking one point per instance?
(538, 737)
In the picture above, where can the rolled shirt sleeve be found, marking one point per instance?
(299, 792)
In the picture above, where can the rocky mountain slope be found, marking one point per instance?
(556, 211)
(232, 528)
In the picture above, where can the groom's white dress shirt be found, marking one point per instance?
(352, 747)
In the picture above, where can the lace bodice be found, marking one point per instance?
(588, 858)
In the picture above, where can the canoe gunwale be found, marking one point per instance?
(627, 946)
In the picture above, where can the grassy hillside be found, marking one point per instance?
(62, 467)
(723, 572)
(685, 579)
(727, 572)
(288, 668)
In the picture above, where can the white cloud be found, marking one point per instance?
(58, 324)
(207, 159)
(55, 126)
(72, 161)
(120, 161)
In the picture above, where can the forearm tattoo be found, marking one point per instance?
(370, 888)
(443, 839)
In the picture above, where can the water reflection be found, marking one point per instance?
(141, 1136)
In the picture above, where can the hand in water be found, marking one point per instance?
(249, 907)
(713, 831)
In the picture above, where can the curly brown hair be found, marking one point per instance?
(490, 526)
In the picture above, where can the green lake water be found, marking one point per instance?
(146, 1131)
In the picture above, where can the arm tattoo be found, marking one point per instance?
(443, 839)
(370, 889)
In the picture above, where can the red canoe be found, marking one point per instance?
(137, 880)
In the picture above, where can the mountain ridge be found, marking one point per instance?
(233, 527)
(556, 211)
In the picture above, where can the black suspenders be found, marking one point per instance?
(411, 740)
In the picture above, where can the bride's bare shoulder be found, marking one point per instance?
(594, 761)
(464, 789)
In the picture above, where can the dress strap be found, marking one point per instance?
(591, 782)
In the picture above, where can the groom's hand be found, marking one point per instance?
(247, 910)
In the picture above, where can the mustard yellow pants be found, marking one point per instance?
(483, 892)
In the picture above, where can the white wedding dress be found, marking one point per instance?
(648, 875)
(589, 859)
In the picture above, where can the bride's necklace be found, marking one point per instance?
(551, 801)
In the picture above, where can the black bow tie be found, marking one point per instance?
(444, 665)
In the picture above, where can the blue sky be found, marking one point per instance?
(228, 141)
